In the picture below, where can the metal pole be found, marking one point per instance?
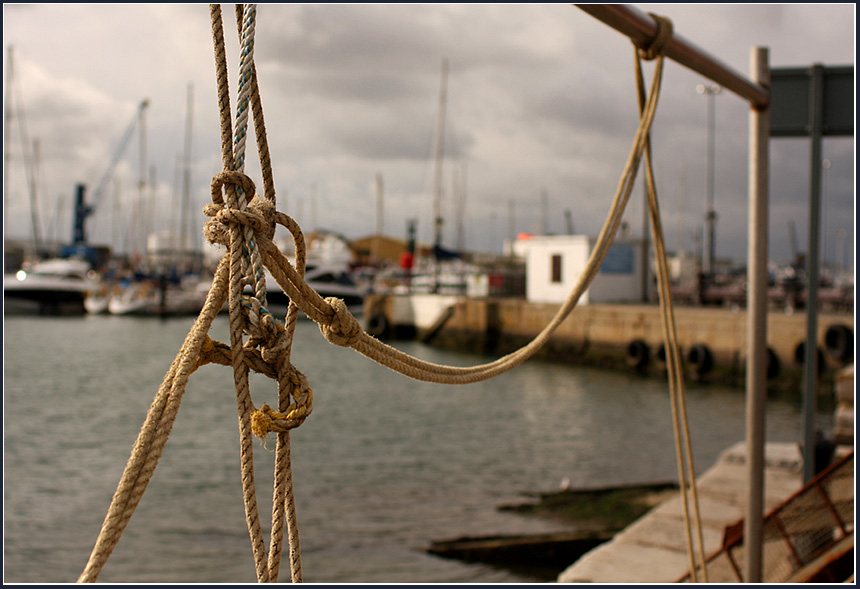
(756, 378)
(641, 28)
(810, 363)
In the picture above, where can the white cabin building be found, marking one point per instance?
(554, 264)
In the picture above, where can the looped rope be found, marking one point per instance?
(653, 48)
(230, 177)
(265, 419)
(343, 329)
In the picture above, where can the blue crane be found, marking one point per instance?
(82, 210)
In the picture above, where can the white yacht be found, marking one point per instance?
(52, 287)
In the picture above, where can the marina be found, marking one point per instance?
(578, 377)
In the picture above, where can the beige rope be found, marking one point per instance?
(673, 361)
(243, 224)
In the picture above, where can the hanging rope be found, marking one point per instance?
(675, 376)
(245, 223)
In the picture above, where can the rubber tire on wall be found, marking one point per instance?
(839, 343)
(638, 354)
(700, 359)
(773, 364)
(800, 356)
(661, 354)
(377, 325)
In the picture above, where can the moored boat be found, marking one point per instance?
(52, 287)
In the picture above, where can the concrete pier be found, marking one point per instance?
(603, 334)
(653, 549)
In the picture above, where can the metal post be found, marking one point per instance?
(756, 379)
(810, 363)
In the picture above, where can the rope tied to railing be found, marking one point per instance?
(686, 471)
(653, 48)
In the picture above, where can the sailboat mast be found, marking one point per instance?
(7, 135)
(34, 200)
(437, 189)
(184, 246)
(379, 217)
(141, 185)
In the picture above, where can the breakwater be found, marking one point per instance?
(628, 336)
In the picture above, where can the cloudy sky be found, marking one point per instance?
(540, 101)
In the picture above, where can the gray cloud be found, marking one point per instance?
(540, 97)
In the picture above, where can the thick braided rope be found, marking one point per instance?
(251, 259)
(237, 263)
(283, 506)
(289, 390)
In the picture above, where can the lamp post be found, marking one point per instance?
(710, 215)
(825, 166)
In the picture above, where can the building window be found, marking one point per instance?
(556, 268)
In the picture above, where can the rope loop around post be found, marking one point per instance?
(658, 43)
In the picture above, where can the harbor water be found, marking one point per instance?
(382, 467)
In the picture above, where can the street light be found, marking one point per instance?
(710, 215)
(825, 165)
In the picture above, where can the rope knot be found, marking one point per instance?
(343, 329)
(265, 212)
(260, 217)
(265, 419)
(230, 178)
(654, 48)
(267, 330)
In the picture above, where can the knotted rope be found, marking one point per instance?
(245, 223)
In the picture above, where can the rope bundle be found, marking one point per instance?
(245, 222)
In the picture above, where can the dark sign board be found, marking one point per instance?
(791, 93)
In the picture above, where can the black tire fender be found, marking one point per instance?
(638, 354)
(773, 364)
(800, 357)
(700, 359)
(377, 325)
(839, 343)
